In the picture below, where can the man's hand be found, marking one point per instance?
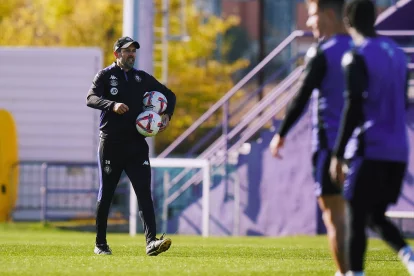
(275, 145)
(165, 122)
(336, 170)
(120, 108)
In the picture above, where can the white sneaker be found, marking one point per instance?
(102, 249)
(406, 255)
(355, 273)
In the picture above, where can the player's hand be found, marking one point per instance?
(336, 170)
(275, 145)
(120, 108)
(165, 122)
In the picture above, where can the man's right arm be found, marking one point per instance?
(311, 78)
(95, 95)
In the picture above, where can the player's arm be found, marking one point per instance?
(155, 85)
(95, 98)
(310, 79)
(356, 81)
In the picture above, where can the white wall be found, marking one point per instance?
(45, 90)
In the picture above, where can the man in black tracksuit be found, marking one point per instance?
(118, 91)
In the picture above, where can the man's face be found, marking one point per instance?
(126, 56)
(318, 19)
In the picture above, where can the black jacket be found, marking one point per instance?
(113, 85)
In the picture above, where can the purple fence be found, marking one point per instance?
(276, 197)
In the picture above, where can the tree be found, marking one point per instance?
(61, 23)
(195, 75)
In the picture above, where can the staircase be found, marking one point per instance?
(247, 124)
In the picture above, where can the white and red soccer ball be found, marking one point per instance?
(148, 123)
(155, 101)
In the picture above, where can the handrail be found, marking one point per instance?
(233, 90)
(263, 119)
(252, 130)
(222, 140)
(275, 92)
(390, 10)
(408, 50)
(396, 32)
(249, 76)
(242, 104)
(256, 111)
(266, 116)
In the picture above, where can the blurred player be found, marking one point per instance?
(374, 127)
(118, 90)
(323, 76)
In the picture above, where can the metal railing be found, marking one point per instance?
(61, 191)
(224, 100)
(55, 187)
(242, 104)
(222, 143)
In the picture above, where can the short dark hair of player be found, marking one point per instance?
(360, 14)
(336, 5)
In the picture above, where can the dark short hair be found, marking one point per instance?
(361, 14)
(336, 5)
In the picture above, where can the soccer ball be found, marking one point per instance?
(155, 101)
(148, 123)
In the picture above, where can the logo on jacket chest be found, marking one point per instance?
(137, 78)
(113, 81)
(114, 91)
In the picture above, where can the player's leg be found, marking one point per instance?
(139, 172)
(332, 206)
(110, 169)
(333, 212)
(379, 223)
(356, 239)
(357, 203)
(389, 187)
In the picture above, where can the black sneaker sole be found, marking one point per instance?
(164, 246)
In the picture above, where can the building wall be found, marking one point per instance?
(45, 90)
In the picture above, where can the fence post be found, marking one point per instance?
(43, 193)
(166, 184)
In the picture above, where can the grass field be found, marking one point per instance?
(33, 249)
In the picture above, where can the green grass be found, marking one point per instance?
(33, 249)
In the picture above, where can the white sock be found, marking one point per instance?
(338, 273)
(355, 273)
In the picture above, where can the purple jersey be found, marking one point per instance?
(374, 123)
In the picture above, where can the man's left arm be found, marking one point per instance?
(356, 83)
(155, 85)
(356, 80)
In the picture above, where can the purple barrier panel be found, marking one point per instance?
(277, 196)
(406, 200)
(288, 204)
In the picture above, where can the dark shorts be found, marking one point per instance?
(374, 181)
(323, 185)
